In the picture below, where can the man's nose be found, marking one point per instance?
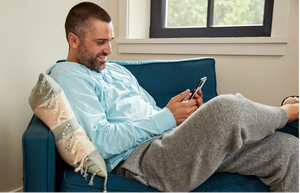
(108, 48)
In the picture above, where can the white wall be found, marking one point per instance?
(32, 38)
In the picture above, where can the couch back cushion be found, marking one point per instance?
(164, 79)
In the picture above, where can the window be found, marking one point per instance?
(211, 18)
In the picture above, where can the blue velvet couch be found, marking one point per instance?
(44, 170)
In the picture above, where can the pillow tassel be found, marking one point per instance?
(70, 141)
(85, 172)
(91, 183)
(46, 97)
(81, 164)
(49, 104)
(105, 183)
(42, 84)
(64, 131)
(92, 179)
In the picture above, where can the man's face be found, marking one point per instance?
(96, 45)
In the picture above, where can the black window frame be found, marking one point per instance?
(157, 29)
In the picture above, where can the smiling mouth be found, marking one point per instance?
(102, 58)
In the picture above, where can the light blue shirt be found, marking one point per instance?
(114, 110)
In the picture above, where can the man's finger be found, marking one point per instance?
(182, 95)
(200, 93)
(187, 97)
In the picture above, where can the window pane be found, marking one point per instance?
(186, 13)
(238, 12)
(227, 18)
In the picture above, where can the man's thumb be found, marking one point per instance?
(182, 95)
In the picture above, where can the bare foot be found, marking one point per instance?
(292, 111)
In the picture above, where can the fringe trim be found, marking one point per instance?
(91, 183)
(84, 173)
(42, 84)
(105, 183)
(49, 104)
(48, 94)
(81, 163)
(70, 141)
(64, 131)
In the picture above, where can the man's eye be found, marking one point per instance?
(101, 42)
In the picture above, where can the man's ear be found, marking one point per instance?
(73, 40)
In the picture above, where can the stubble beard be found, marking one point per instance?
(89, 60)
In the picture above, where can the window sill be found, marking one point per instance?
(264, 46)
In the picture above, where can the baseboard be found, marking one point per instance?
(18, 190)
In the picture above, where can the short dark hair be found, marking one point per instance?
(78, 18)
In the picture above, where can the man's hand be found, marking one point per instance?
(181, 107)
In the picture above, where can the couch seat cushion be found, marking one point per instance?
(74, 182)
(220, 182)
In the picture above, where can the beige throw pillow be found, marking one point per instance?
(50, 104)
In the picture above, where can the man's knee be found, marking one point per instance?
(228, 100)
(225, 98)
(225, 106)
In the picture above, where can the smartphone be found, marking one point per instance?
(199, 86)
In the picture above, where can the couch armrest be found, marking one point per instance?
(38, 158)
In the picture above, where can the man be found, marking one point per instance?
(178, 147)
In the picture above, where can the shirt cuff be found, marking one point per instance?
(164, 120)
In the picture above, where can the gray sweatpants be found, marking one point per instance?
(227, 134)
